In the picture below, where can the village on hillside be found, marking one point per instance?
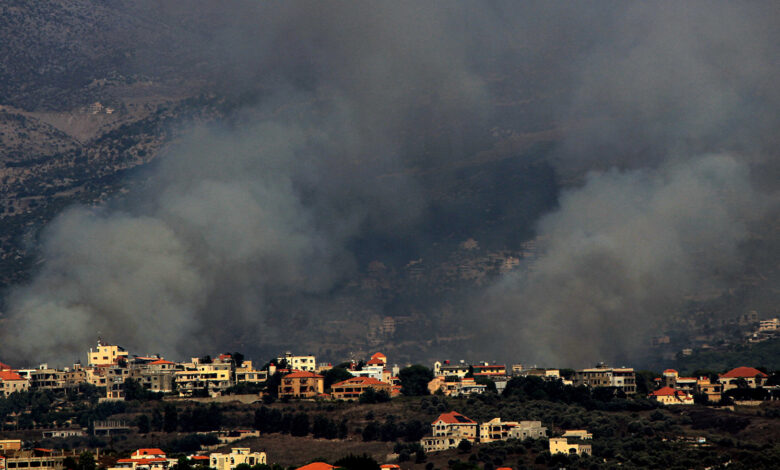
(114, 375)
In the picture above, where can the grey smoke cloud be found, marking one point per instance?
(668, 121)
(621, 256)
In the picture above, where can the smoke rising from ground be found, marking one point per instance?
(668, 120)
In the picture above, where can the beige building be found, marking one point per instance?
(453, 386)
(351, 389)
(578, 434)
(7, 445)
(247, 374)
(670, 396)
(37, 458)
(237, 456)
(561, 445)
(445, 369)
(200, 377)
(301, 384)
(622, 378)
(106, 355)
(753, 378)
(448, 430)
(44, 378)
(497, 430)
(11, 382)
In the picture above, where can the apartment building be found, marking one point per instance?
(37, 458)
(497, 430)
(445, 369)
(301, 384)
(198, 377)
(622, 378)
(304, 363)
(106, 355)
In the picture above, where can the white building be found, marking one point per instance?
(305, 363)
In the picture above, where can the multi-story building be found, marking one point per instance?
(106, 355)
(713, 391)
(446, 369)
(771, 324)
(198, 377)
(44, 378)
(37, 458)
(237, 456)
(448, 430)
(301, 384)
(453, 386)
(11, 382)
(489, 370)
(497, 430)
(351, 389)
(305, 363)
(622, 378)
(247, 374)
(8, 445)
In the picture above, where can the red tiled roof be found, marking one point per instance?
(302, 374)
(667, 392)
(161, 361)
(375, 361)
(359, 381)
(317, 466)
(150, 451)
(670, 371)
(199, 457)
(10, 375)
(142, 461)
(453, 417)
(5, 367)
(742, 372)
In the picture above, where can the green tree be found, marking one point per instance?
(87, 461)
(414, 380)
(183, 464)
(143, 424)
(171, 418)
(300, 425)
(335, 375)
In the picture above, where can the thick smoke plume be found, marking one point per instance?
(668, 117)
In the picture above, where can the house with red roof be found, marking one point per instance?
(752, 377)
(352, 388)
(670, 396)
(145, 459)
(448, 430)
(301, 384)
(11, 382)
